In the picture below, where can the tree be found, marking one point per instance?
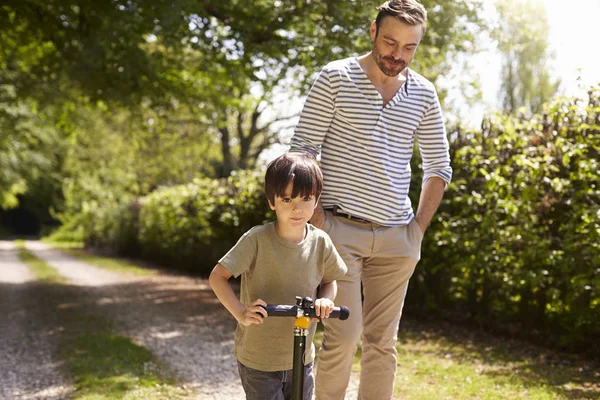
(522, 36)
(223, 60)
(30, 150)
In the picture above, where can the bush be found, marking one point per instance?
(191, 226)
(517, 236)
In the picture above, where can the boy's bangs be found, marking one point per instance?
(305, 183)
(302, 179)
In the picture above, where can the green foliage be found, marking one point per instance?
(522, 37)
(192, 226)
(30, 149)
(220, 61)
(116, 155)
(517, 237)
(184, 227)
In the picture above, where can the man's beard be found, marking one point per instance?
(397, 65)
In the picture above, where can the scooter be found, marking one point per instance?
(303, 311)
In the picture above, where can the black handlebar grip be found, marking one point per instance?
(342, 313)
(277, 310)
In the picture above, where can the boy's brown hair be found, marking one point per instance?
(298, 168)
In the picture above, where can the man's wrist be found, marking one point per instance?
(422, 226)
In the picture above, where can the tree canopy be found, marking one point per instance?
(180, 86)
(522, 36)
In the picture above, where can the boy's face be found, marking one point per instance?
(295, 211)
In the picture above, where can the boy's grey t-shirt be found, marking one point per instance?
(277, 271)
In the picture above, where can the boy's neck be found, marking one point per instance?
(291, 235)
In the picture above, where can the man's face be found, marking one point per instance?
(395, 44)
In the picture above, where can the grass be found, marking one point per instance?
(446, 362)
(102, 364)
(63, 244)
(42, 271)
(118, 265)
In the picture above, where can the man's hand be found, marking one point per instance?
(254, 314)
(323, 307)
(431, 196)
(318, 218)
(421, 226)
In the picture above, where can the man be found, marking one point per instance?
(362, 115)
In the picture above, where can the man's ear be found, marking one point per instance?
(373, 30)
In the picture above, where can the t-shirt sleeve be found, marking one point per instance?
(242, 256)
(334, 266)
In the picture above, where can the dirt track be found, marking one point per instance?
(176, 317)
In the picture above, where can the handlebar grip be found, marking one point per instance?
(277, 310)
(342, 313)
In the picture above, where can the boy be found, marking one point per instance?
(279, 261)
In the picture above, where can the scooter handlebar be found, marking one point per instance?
(278, 310)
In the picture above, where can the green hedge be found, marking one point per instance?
(186, 227)
(516, 241)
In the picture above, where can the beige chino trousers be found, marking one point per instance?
(383, 259)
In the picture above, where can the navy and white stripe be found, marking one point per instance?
(365, 147)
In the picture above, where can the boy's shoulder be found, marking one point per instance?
(260, 230)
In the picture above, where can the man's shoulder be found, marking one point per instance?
(342, 65)
(418, 81)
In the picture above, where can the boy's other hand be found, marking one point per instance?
(254, 314)
(323, 307)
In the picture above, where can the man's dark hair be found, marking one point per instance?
(410, 12)
(298, 168)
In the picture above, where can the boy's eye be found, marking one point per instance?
(286, 199)
(307, 198)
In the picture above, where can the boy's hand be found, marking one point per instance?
(254, 314)
(323, 307)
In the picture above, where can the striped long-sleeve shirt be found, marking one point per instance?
(365, 146)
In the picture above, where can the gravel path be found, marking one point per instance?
(27, 331)
(177, 317)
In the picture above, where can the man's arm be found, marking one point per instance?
(318, 218)
(435, 157)
(429, 201)
(315, 118)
